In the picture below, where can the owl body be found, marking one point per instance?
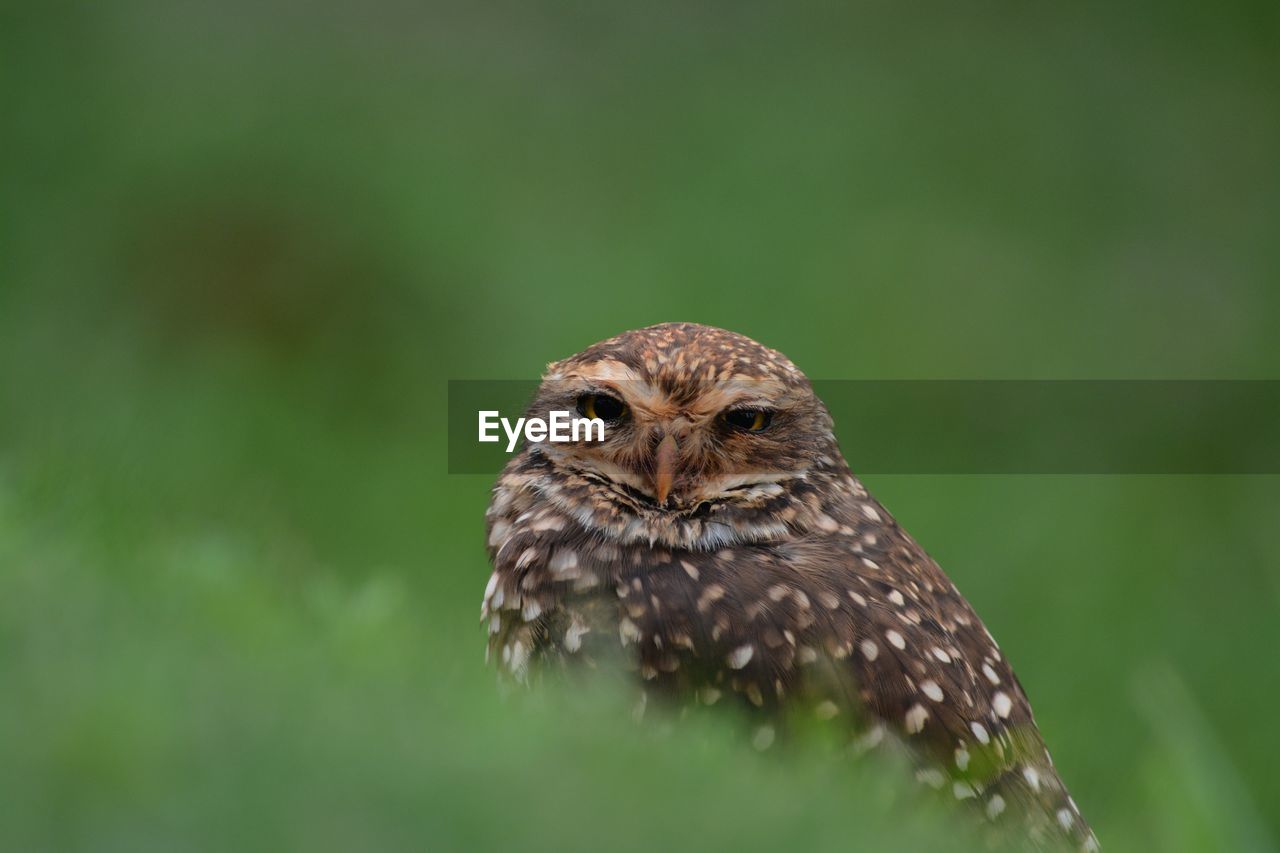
(721, 549)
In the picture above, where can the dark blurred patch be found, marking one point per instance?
(291, 272)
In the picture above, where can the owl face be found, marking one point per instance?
(701, 425)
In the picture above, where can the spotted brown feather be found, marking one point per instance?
(769, 576)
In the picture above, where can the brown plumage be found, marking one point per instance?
(717, 538)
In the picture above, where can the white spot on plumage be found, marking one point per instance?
(628, 632)
(548, 521)
(869, 649)
(980, 732)
(962, 759)
(941, 655)
(963, 790)
(573, 635)
(519, 657)
(896, 597)
(709, 596)
(895, 639)
(1002, 704)
(995, 806)
(826, 709)
(563, 562)
(990, 674)
(931, 777)
(1032, 776)
(915, 717)
(1065, 819)
(870, 739)
(498, 532)
(932, 690)
(741, 656)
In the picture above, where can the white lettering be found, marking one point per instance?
(486, 424)
(536, 430)
(513, 434)
(559, 421)
(561, 427)
(589, 425)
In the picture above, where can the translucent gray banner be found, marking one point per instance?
(990, 426)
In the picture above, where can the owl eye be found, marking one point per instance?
(749, 420)
(601, 406)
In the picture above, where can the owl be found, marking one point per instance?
(715, 543)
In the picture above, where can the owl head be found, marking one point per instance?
(709, 437)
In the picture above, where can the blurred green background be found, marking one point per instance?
(243, 248)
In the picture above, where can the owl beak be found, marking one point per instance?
(665, 468)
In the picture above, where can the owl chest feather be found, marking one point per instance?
(862, 630)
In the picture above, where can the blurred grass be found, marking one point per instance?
(242, 249)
